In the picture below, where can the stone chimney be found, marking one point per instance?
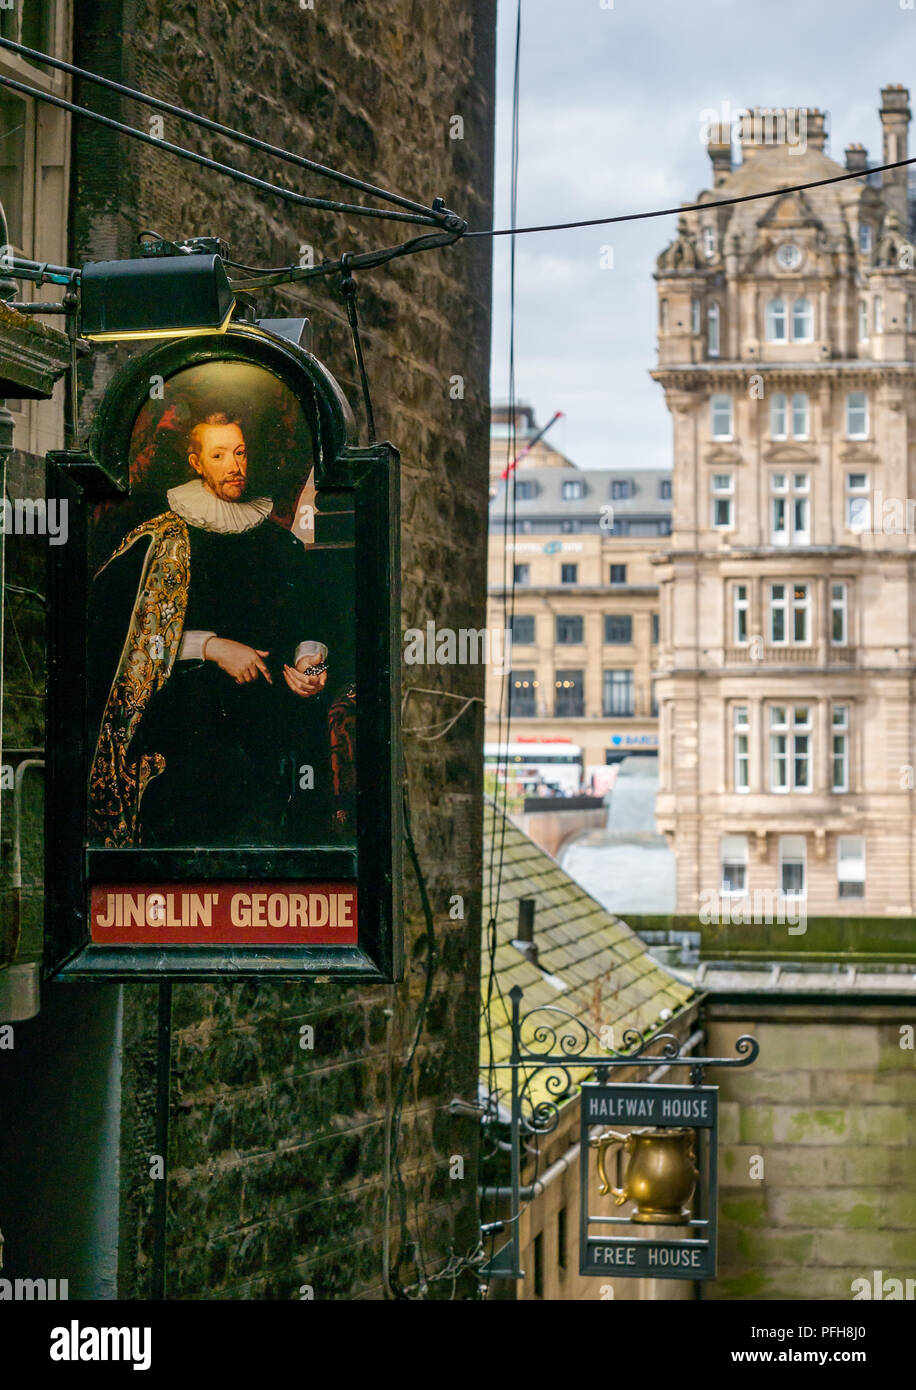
(895, 124)
(720, 150)
(856, 158)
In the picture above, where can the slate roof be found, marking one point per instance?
(549, 500)
(609, 976)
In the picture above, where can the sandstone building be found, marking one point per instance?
(787, 355)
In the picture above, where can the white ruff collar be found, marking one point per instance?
(199, 507)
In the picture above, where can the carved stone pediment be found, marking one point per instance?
(723, 453)
(858, 453)
(790, 453)
(791, 210)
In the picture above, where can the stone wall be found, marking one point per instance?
(828, 1107)
(277, 1156)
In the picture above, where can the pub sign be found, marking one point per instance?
(661, 1221)
(224, 764)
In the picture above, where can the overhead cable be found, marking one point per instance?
(228, 132)
(302, 199)
(696, 207)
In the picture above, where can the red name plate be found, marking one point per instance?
(226, 914)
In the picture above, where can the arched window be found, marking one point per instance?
(776, 321)
(802, 321)
(712, 330)
(778, 416)
(863, 321)
(800, 415)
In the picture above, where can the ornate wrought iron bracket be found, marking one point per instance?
(556, 1044)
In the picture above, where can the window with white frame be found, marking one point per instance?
(800, 415)
(790, 748)
(856, 415)
(572, 490)
(695, 316)
(865, 237)
(790, 614)
(863, 321)
(740, 611)
(723, 501)
(712, 330)
(878, 313)
(839, 615)
(709, 242)
(778, 417)
(790, 509)
(777, 329)
(733, 858)
(720, 417)
(784, 417)
(741, 733)
(839, 748)
(802, 321)
(792, 876)
(858, 502)
(850, 866)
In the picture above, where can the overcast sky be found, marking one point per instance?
(610, 121)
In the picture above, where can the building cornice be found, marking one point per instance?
(785, 554)
(691, 376)
(32, 356)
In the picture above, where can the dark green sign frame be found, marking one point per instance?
(357, 497)
(622, 1252)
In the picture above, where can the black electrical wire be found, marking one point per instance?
(275, 150)
(697, 207)
(302, 199)
(363, 260)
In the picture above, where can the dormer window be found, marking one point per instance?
(525, 489)
(572, 490)
(709, 242)
(621, 489)
(865, 238)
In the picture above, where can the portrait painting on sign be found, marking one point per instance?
(221, 680)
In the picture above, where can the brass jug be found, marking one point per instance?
(661, 1173)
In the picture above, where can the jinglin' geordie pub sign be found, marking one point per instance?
(223, 673)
